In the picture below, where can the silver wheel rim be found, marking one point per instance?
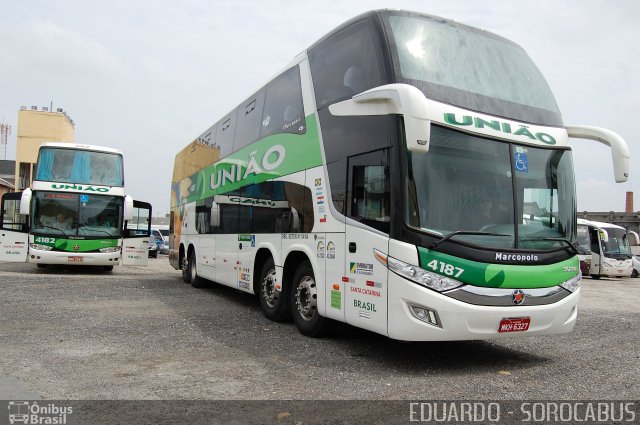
(192, 265)
(307, 298)
(268, 289)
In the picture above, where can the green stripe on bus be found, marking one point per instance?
(501, 275)
(83, 245)
(269, 158)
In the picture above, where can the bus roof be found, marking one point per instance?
(599, 224)
(81, 147)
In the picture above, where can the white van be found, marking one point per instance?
(161, 234)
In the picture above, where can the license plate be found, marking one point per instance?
(75, 259)
(518, 324)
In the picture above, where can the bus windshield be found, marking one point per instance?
(474, 69)
(74, 214)
(467, 183)
(79, 167)
(617, 245)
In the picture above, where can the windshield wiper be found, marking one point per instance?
(463, 232)
(55, 228)
(100, 230)
(572, 246)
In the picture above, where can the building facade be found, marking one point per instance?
(35, 127)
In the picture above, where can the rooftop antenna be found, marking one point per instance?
(5, 130)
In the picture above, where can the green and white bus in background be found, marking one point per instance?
(76, 212)
(406, 174)
(605, 249)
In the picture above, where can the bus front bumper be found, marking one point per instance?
(459, 320)
(74, 258)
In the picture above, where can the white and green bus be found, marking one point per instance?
(605, 249)
(76, 212)
(406, 174)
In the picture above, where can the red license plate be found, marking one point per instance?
(75, 259)
(518, 324)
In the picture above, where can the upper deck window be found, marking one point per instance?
(78, 166)
(346, 64)
(470, 68)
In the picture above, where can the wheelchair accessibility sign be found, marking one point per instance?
(521, 160)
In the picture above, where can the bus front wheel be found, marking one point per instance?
(274, 303)
(304, 303)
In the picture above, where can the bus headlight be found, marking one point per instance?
(572, 284)
(40, 247)
(110, 249)
(421, 276)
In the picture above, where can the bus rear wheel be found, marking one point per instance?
(304, 303)
(196, 281)
(274, 304)
(184, 266)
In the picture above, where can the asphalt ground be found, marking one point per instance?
(141, 333)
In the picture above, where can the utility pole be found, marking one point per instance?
(5, 130)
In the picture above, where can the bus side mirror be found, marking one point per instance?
(401, 99)
(619, 149)
(25, 202)
(128, 208)
(215, 215)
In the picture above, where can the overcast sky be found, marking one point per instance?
(149, 76)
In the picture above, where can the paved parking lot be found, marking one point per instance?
(141, 333)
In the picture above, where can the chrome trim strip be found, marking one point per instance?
(504, 297)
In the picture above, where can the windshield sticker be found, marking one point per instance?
(521, 160)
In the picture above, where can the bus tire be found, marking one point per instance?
(304, 303)
(595, 276)
(634, 273)
(274, 304)
(196, 281)
(185, 270)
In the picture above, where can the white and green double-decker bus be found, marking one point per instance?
(405, 174)
(76, 212)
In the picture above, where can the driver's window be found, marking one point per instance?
(140, 223)
(369, 189)
(11, 217)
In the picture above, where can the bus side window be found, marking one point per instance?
(225, 130)
(345, 64)
(248, 121)
(369, 189)
(283, 110)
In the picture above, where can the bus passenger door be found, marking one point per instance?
(14, 236)
(596, 252)
(246, 240)
(368, 204)
(137, 232)
(228, 238)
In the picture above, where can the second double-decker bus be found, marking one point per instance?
(76, 212)
(405, 174)
(605, 249)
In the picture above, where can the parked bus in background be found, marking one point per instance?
(609, 251)
(76, 212)
(381, 179)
